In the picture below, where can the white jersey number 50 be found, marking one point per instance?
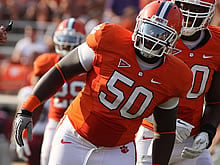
(120, 97)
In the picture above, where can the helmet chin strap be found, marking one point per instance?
(151, 59)
(149, 55)
(193, 41)
(195, 36)
(188, 32)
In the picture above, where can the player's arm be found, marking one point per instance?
(63, 71)
(209, 121)
(77, 61)
(211, 114)
(164, 131)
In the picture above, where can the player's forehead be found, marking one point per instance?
(192, 7)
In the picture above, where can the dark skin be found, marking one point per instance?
(148, 60)
(193, 37)
(211, 119)
(67, 65)
(192, 8)
(196, 36)
(70, 66)
(162, 124)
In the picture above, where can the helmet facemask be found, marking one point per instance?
(197, 15)
(153, 37)
(67, 40)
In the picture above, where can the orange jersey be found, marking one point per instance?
(44, 62)
(118, 94)
(203, 62)
(61, 100)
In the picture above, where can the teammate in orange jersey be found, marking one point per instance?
(69, 34)
(3, 35)
(129, 77)
(199, 48)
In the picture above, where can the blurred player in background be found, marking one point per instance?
(6, 121)
(199, 48)
(68, 35)
(3, 35)
(29, 47)
(127, 80)
(5, 118)
(30, 152)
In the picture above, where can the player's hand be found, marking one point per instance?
(24, 151)
(199, 145)
(23, 121)
(183, 130)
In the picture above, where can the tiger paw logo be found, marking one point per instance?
(124, 149)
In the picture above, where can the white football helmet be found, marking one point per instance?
(197, 14)
(157, 29)
(68, 35)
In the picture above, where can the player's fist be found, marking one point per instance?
(22, 121)
(183, 130)
(199, 145)
(24, 151)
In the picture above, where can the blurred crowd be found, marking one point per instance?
(56, 10)
(90, 12)
(36, 14)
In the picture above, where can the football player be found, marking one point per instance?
(3, 35)
(69, 34)
(129, 77)
(196, 126)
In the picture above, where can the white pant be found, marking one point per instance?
(143, 143)
(69, 148)
(47, 141)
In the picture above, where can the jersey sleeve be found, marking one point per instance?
(44, 62)
(101, 39)
(94, 38)
(86, 56)
(170, 104)
(104, 37)
(181, 77)
(185, 78)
